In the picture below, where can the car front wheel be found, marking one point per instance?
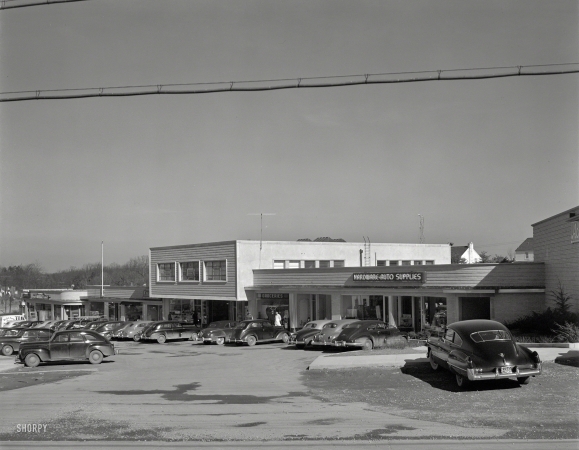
(433, 363)
(162, 339)
(7, 350)
(285, 338)
(251, 341)
(367, 345)
(95, 357)
(220, 341)
(461, 381)
(31, 360)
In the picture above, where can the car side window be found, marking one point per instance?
(256, 325)
(76, 337)
(371, 327)
(90, 338)
(457, 340)
(28, 334)
(380, 326)
(448, 336)
(43, 334)
(267, 325)
(61, 338)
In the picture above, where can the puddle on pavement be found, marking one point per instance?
(325, 421)
(250, 424)
(180, 393)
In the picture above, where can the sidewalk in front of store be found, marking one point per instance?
(355, 359)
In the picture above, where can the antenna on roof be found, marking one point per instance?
(421, 228)
(261, 230)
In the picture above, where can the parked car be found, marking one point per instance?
(368, 334)
(94, 325)
(169, 330)
(10, 342)
(25, 323)
(251, 332)
(217, 332)
(108, 328)
(476, 350)
(130, 329)
(67, 345)
(329, 332)
(7, 319)
(304, 337)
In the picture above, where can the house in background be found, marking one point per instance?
(524, 252)
(464, 254)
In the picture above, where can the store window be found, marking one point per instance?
(189, 271)
(166, 272)
(216, 270)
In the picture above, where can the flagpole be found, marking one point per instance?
(102, 269)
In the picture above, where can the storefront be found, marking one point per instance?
(412, 300)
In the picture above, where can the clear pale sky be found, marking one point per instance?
(480, 160)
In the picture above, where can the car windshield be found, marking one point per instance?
(11, 333)
(311, 325)
(491, 335)
(353, 325)
(330, 325)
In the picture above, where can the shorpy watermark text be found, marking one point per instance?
(31, 428)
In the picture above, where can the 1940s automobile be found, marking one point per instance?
(217, 332)
(11, 340)
(66, 346)
(368, 334)
(304, 337)
(329, 332)
(168, 330)
(257, 330)
(476, 350)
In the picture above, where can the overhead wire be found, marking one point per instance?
(288, 83)
(36, 3)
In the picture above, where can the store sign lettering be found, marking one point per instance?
(575, 233)
(394, 277)
(274, 296)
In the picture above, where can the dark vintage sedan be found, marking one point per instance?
(368, 334)
(330, 332)
(10, 342)
(253, 331)
(68, 345)
(303, 338)
(108, 328)
(168, 330)
(217, 332)
(476, 350)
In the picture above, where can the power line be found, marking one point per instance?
(291, 83)
(39, 3)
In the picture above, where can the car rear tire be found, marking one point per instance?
(433, 364)
(95, 357)
(193, 337)
(524, 380)
(162, 339)
(7, 350)
(220, 341)
(461, 381)
(367, 345)
(285, 338)
(31, 360)
(136, 337)
(251, 341)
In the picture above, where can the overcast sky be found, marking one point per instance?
(480, 160)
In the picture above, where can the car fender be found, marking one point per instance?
(42, 353)
(457, 362)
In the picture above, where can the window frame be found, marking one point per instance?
(159, 264)
(180, 271)
(205, 271)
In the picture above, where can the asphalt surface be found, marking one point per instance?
(218, 395)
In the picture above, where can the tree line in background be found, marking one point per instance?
(31, 276)
(486, 258)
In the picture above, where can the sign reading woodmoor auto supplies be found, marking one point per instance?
(401, 277)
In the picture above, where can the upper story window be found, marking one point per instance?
(381, 262)
(278, 264)
(216, 270)
(166, 272)
(339, 263)
(429, 263)
(293, 265)
(309, 264)
(405, 263)
(189, 271)
(324, 263)
(393, 263)
(417, 263)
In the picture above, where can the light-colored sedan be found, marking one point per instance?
(329, 333)
(130, 329)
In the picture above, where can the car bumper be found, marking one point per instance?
(346, 344)
(321, 344)
(495, 375)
